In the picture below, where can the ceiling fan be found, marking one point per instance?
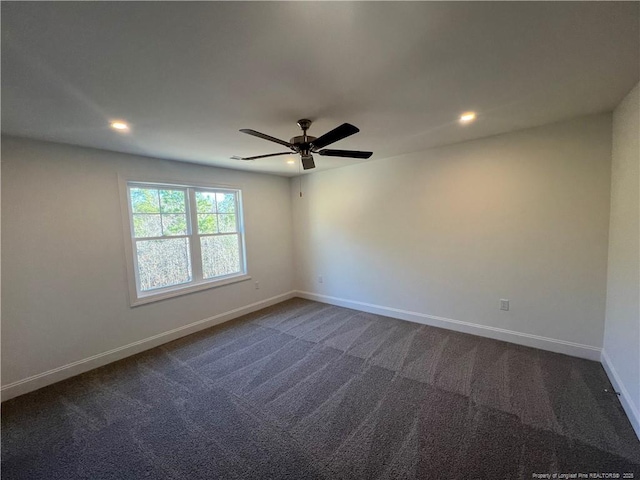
(306, 145)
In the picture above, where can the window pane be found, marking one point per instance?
(220, 255)
(207, 223)
(146, 225)
(144, 200)
(174, 224)
(172, 201)
(226, 202)
(206, 202)
(227, 223)
(162, 263)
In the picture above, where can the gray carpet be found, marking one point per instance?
(303, 390)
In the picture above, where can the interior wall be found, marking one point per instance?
(442, 235)
(622, 326)
(65, 294)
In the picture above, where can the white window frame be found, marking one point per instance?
(198, 283)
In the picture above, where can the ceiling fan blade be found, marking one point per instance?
(345, 153)
(260, 156)
(338, 133)
(266, 137)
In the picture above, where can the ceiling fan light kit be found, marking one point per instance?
(306, 145)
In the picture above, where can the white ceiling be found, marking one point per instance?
(188, 76)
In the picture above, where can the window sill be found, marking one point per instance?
(185, 290)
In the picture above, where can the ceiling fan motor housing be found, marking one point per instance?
(299, 140)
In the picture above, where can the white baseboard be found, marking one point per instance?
(43, 379)
(526, 339)
(625, 398)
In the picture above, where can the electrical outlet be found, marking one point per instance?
(320, 279)
(504, 304)
(257, 285)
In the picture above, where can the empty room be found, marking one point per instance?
(320, 240)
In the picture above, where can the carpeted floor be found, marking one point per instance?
(303, 390)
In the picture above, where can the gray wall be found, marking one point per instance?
(65, 296)
(622, 327)
(441, 235)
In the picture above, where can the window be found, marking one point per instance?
(183, 238)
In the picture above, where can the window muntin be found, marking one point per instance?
(184, 236)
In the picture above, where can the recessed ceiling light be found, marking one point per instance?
(118, 125)
(291, 161)
(467, 117)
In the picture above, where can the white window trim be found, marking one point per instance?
(140, 298)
